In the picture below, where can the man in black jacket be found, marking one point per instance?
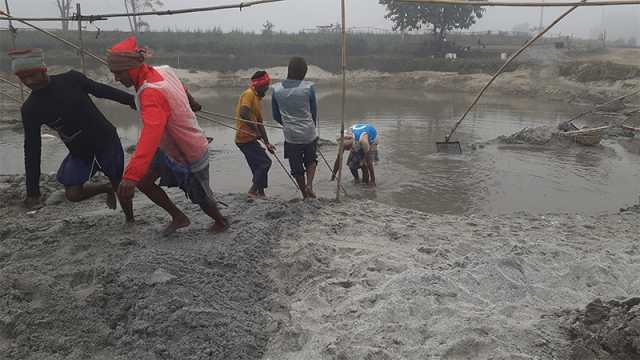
(62, 103)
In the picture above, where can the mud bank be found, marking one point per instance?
(605, 330)
(304, 280)
(537, 81)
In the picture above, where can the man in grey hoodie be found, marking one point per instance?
(294, 107)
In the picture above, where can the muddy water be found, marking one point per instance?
(494, 179)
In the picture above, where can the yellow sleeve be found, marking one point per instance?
(247, 99)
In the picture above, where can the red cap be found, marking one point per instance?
(127, 45)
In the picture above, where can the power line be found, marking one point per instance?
(523, 4)
(100, 17)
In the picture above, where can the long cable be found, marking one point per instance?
(252, 134)
(239, 119)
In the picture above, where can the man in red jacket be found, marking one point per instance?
(172, 146)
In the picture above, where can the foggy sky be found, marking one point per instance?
(294, 15)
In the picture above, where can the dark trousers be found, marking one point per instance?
(259, 162)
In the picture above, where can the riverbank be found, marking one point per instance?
(311, 280)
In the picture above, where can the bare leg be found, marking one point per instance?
(148, 186)
(302, 185)
(83, 192)
(253, 192)
(356, 176)
(125, 204)
(221, 224)
(365, 175)
(311, 173)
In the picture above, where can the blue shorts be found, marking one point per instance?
(194, 181)
(301, 157)
(75, 171)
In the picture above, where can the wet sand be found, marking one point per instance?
(325, 280)
(304, 280)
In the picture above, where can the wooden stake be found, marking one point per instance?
(13, 42)
(66, 42)
(81, 52)
(344, 97)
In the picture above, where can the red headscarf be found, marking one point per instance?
(264, 80)
(126, 55)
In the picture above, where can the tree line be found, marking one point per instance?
(404, 16)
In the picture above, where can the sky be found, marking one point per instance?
(295, 15)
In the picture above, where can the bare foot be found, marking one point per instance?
(176, 223)
(310, 193)
(218, 227)
(252, 195)
(111, 201)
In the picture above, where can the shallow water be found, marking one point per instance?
(494, 179)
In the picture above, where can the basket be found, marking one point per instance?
(589, 139)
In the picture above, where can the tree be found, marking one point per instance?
(135, 6)
(64, 7)
(267, 28)
(406, 17)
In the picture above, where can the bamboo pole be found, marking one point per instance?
(504, 66)
(131, 25)
(523, 4)
(595, 108)
(81, 52)
(92, 18)
(49, 33)
(344, 96)
(13, 42)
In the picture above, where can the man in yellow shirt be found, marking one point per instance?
(250, 131)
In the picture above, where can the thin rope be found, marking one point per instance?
(252, 134)
(49, 33)
(522, 4)
(240, 119)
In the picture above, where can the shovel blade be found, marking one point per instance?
(449, 147)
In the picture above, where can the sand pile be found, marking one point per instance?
(541, 135)
(304, 280)
(76, 284)
(606, 331)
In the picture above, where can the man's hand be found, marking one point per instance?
(127, 188)
(195, 106)
(271, 148)
(32, 201)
